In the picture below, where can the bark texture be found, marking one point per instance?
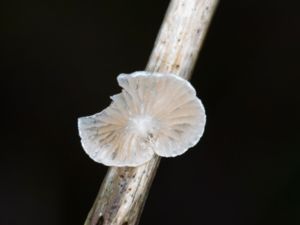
(124, 190)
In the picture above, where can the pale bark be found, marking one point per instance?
(124, 190)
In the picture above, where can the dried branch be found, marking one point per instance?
(124, 190)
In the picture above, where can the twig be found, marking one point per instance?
(124, 190)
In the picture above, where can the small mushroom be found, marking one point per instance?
(154, 114)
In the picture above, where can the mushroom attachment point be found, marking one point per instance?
(154, 114)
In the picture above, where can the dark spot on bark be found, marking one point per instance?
(100, 220)
(125, 223)
(122, 176)
(113, 207)
(198, 31)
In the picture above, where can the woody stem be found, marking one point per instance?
(124, 190)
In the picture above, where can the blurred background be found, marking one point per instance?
(59, 61)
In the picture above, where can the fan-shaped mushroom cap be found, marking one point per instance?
(154, 113)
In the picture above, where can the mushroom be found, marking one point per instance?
(154, 114)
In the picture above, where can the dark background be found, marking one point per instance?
(59, 61)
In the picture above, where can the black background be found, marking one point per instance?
(59, 61)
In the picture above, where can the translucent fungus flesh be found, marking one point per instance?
(154, 114)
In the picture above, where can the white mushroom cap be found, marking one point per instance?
(154, 114)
